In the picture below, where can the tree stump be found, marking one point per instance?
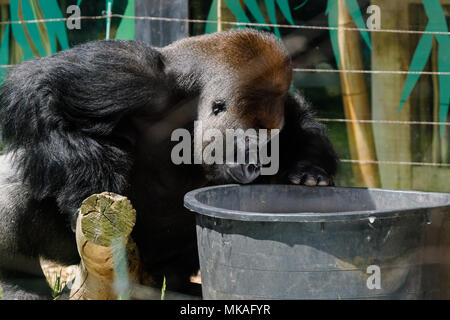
(109, 257)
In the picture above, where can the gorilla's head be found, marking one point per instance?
(246, 88)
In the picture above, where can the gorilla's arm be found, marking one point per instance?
(306, 154)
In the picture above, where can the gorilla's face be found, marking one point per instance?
(246, 90)
(233, 126)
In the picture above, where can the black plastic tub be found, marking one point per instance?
(294, 242)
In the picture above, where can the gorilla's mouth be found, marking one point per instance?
(243, 173)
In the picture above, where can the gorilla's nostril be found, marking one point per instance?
(243, 173)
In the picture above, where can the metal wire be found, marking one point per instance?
(372, 71)
(233, 23)
(430, 123)
(399, 163)
(305, 27)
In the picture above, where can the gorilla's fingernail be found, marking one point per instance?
(310, 182)
(294, 180)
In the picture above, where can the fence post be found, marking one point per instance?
(161, 33)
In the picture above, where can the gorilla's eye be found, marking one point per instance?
(219, 106)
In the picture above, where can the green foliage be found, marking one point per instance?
(28, 36)
(436, 23)
(333, 13)
(256, 11)
(56, 29)
(126, 29)
(37, 43)
(1, 293)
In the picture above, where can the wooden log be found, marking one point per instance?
(104, 225)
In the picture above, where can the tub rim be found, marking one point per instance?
(194, 205)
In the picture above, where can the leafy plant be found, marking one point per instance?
(436, 23)
(258, 14)
(33, 42)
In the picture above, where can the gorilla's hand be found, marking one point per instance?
(305, 173)
(307, 156)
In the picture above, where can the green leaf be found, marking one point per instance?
(302, 5)
(4, 56)
(18, 32)
(333, 11)
(254, 9)
(436, 23)
(28, 14)
(126, 29)
(418, 63)
(212, 16)
(355, 12)
(270, 5)
(286, 10)
(56, 29)
(239, 13)
(4, 47)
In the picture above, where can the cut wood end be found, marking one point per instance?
(106, 217)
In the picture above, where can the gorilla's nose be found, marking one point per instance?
(243, 173)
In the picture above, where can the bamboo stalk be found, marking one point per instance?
(219, 15)
(435, 146)
(224, 14)
(356, 102)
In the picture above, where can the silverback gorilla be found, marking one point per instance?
(99, 117)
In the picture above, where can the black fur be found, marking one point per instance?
(97, 118)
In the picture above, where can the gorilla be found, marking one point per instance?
(99, 117)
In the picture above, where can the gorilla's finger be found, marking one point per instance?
(323, 181)
(295, 178)
(310, 180)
